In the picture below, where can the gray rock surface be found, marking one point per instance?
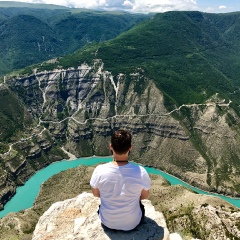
(77, 218)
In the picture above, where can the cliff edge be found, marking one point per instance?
(77, 218)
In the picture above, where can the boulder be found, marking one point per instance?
(77, 218)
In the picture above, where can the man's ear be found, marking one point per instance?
(111, 149)
(129, 151)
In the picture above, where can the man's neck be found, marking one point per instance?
(120, 159)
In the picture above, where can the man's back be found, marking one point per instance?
(120, 190)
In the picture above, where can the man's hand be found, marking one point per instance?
(95, 192)
(144, 194)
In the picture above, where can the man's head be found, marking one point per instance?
(121, 141)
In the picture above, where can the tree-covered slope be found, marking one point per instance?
(78, 29)
(26, 40)
(14, 117)
(32, 33)
(185, 53)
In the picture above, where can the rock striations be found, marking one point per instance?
(77, 218)
(77, 109)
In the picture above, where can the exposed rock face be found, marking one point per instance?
(82, 107)
(7, 191)
(216, 221)
(23, 159)
(77, 218)
(208, 222)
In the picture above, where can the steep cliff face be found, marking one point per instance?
(81, 107)
(34, 151)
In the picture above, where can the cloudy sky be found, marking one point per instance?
(146, 6)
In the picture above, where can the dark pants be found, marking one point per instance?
(143, 211)
(142, 218)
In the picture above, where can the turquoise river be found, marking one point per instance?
(26, 194)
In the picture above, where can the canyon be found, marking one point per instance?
(77, 110)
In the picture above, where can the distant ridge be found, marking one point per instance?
(46, 31)
(7, 4)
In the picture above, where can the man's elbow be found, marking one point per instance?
(144, 194)
(96, 195)
(95, 192)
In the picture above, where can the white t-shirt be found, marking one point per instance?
(120, 190)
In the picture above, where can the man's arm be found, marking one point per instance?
(95, 192)
(144, 194)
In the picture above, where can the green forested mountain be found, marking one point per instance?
(12, 4)
(31, 33)
(189, 55)
(13, 115)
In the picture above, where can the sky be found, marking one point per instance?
(146, 6)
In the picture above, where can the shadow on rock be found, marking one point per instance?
(148, 230)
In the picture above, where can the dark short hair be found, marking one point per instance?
(121, 141)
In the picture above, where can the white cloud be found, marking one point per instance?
(218, 9)
(127, 4)
(72, 3)
(142, 6)
(81, 3)
(163, 6)
(222, 7)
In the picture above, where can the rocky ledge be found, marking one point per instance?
(77, 218)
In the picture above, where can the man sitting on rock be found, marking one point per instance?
(120, 185)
